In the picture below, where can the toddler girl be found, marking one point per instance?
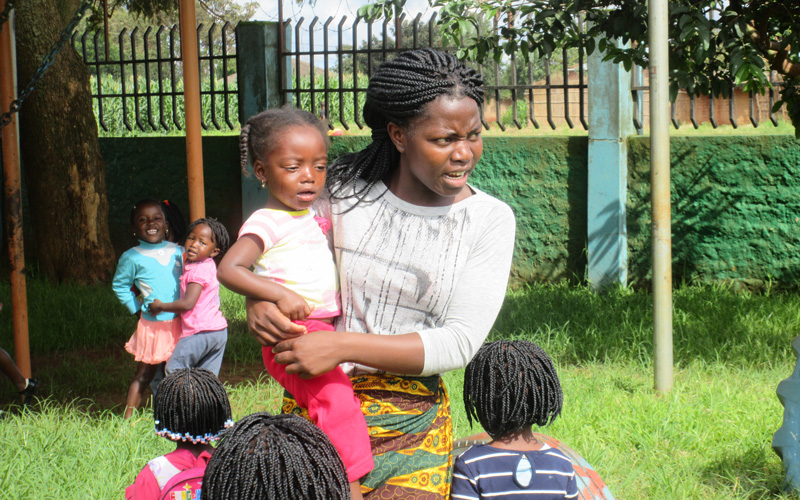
(152, 267)
(204, 331)
(508, 387)
(293, 267)
(191, 409)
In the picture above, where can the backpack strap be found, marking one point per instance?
(163, 470)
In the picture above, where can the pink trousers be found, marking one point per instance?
(332, 405)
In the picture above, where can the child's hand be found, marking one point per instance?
(293, 306)
(155, 307)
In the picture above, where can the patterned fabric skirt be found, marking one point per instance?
(410, 433)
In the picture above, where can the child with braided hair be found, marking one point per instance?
(191, 409)
(204, 330)
(275, 457)
(283, 255)
(508, 387)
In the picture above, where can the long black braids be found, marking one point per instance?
(220, 235)
(275, 457)
(398, 93)
(261, 133)
(511, 385)
(192, 406)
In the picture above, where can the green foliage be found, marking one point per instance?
(339, 105)
(714, 45)
(119, 115)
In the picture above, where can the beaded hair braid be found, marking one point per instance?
(191, 405)
(220, 235)
(398, 93)
(511, 385)
(275, 457)
(262, 131)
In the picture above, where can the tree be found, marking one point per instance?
(714, 44)
(63, 169)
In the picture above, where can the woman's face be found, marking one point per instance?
(438, 152)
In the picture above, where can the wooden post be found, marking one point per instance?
(191, 96)
(13, 198)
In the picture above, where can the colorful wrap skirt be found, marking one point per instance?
(411, 435)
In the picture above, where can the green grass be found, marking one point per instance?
(708, 438)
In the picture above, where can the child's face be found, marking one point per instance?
(149, 224)
(294, 171)
(200, 244)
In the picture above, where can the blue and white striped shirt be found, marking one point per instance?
(483, 471)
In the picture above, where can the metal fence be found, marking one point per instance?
(137, 82)
(547, 92)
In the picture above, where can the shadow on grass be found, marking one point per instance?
(754, 473)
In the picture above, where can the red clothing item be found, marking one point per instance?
(146, 487)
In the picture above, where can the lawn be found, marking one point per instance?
(709, 437)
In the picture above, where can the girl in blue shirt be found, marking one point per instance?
(153, 267)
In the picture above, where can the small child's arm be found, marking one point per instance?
(122, 283)
(188, 301)
(234, 272)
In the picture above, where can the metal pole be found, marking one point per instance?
(13, 198)
(191, 96)
(658, 15)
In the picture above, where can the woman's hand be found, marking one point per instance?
(311, 354)
(268, 325)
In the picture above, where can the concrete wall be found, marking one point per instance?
(736, 200)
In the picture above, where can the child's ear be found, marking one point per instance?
(260, 171)
(214, 252)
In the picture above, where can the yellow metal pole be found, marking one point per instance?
(191, 96)
(13, 198)
(658, 16)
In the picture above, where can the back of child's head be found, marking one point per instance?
(142, 203)
(191, 406)
(219, 234)
(511, 385)
(175, 220)
(260, 135)
(275, 457)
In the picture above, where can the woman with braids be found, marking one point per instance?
(423, 260)
(508, 387)
(192, 409)
(275, 457)
(204, 331)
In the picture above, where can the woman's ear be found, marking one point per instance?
(398, 136)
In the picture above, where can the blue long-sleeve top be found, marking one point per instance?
(155, 269)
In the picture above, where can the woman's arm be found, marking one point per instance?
(235, 274)
(188, 301)
(320, 352)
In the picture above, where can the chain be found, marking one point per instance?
(5, 118)
(6, 12)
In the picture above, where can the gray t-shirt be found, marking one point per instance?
(438, 271)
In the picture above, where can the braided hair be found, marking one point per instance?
(191, 405)
(275, 457)
(219, 235)
(175, 220)
(261, 133)
(511, 385)
(398, 93)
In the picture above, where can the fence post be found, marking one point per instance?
(610, 124)
(258, 79)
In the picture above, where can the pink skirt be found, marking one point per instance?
(154, 341)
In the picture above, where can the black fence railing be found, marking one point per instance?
(137, 81)
(330, 79)
(137, 78)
